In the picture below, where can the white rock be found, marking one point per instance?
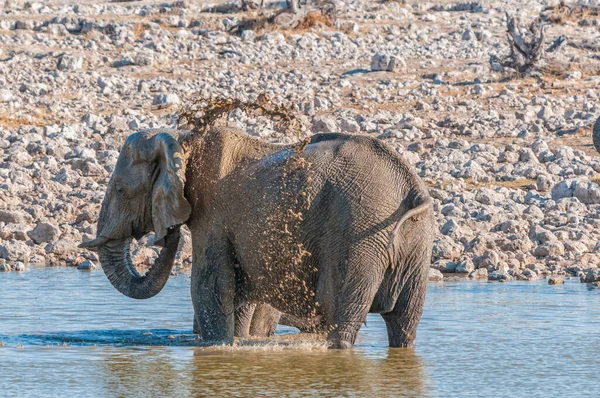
(435, 275)
(68, 62)
(165, 99)
(6, 95)
(86, 265)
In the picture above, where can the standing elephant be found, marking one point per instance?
(332, 229)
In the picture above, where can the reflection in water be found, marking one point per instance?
(312, 373)
(139, 374)
(213, 372)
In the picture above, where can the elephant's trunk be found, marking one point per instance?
(115, 257)
(596, 134)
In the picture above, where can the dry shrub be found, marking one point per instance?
(562, 13)
(205, 114)
(314, 18)
(286, 20)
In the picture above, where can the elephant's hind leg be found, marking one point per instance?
(243, 318)
(402, 321)
(264, 321)
(353, 302)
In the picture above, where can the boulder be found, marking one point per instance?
(386, 63)
(435, 275)
(86, 265)
(44, 232)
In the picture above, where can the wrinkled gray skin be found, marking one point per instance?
(596, 134)
(325, 233)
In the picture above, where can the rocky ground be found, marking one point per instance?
(508, 158)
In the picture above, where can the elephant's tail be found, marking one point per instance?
(420, 204)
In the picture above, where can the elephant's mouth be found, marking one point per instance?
(118, 247)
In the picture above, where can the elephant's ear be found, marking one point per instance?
(169, 206)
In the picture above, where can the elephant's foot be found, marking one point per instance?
(401, 342)
(341, 340)
(339, 345)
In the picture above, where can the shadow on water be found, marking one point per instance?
(112, 337)
(214, 372)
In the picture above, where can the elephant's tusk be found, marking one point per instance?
(91, 244)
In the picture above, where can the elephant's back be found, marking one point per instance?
(361, 169)
(364, 163)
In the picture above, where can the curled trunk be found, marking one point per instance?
(596, 134)
(115, 257)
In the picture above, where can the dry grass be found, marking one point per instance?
(596, 178)
(562, 13)
(138, 30)
(9, 121)
(520, 183)
(263, 24)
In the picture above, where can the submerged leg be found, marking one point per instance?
(243, 319)
(264, 321)
(360, 283)
(402, 321)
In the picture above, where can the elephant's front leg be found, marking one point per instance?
(213, 291)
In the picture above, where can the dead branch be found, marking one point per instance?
(526, 44)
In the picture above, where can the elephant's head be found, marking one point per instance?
(145, 193)
(596, 134)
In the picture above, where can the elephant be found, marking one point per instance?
(330, 229)
(596, 135)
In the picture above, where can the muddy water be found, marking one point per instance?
(69, 333)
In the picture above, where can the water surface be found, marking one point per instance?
(69, 333)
